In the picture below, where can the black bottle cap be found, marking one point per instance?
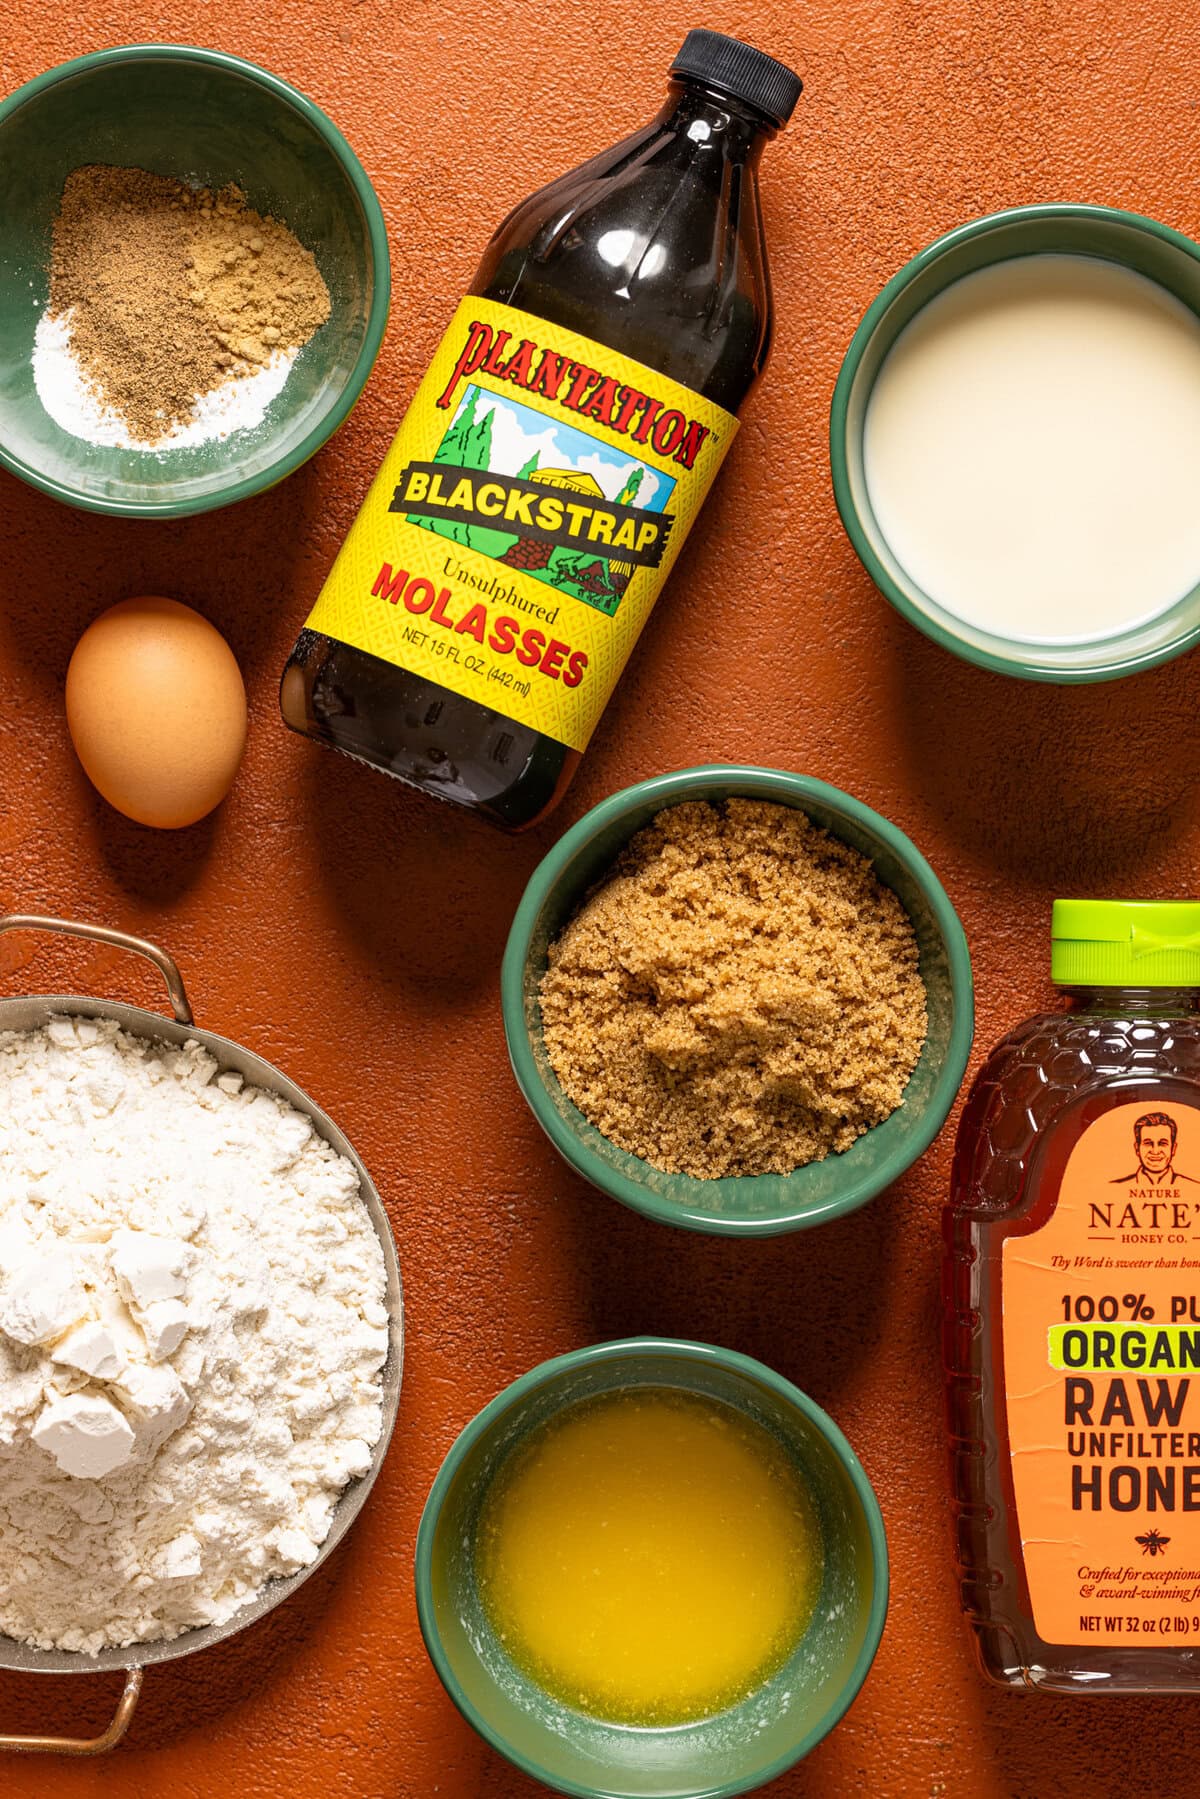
(738, 69)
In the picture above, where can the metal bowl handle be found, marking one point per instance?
(108, 1739)
(98, 933)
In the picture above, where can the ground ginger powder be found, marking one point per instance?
(739, 996)
(174, 290)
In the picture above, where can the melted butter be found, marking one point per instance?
(650, 1556)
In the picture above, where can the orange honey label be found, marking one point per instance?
(1101, 1308)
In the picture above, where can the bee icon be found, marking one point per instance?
(1152, 1544)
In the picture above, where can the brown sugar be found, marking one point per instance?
(173, 290)
(741, 994)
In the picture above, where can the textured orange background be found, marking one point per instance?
(352, 931)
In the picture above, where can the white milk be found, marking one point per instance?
(1032, 449)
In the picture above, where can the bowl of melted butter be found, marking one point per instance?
(652, 1568)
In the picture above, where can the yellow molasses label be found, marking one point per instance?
(524, 519)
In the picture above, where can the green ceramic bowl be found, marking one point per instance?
(767, 1204)
(1141, 244)
(717, 1757)
(211, 119)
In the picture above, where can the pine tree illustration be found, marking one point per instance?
(480, 444)
(467, 444)
(454, 444)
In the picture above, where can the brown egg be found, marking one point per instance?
(157, 711)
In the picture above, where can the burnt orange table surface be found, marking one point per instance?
(351, 931)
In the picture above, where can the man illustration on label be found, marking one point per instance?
(1154, 1138)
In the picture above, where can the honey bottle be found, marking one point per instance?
(1072, 1320)
(554, 457)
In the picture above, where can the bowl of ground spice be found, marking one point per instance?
(738, 1000)
(194, 280)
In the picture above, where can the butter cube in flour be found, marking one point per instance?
(86, 1435)
(93, 1349)
(157, 1401)
(148, 1268)
(41, 1300)
(164, 1326)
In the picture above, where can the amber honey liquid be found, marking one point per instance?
(1046, 1085)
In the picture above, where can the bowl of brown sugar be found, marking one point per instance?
(194, 280)
(738, 1000)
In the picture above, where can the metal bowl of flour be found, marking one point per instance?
(28, 1012)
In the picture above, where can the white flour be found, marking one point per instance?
(75, 405)
(192, 1318)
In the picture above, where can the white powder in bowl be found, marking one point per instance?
(192, 1329)
(75, 404)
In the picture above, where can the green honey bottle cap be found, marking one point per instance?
(1125, 943)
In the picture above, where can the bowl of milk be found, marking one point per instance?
(1015, 442)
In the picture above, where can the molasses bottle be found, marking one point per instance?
(1072, 1323)
(554, 457)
